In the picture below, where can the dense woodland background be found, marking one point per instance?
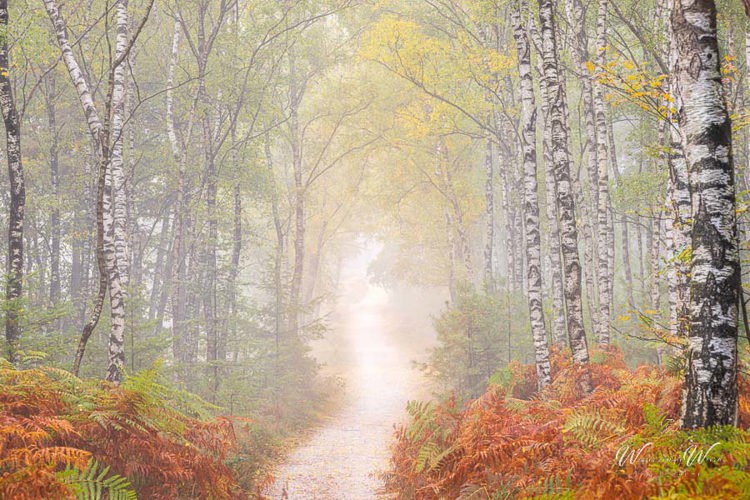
(187, 177)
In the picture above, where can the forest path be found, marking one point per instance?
(375, 337)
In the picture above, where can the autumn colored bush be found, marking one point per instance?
(60, 435)
(620, 441)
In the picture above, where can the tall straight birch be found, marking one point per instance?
(559, 131)
(710, 388)
(605, 235)
(14, 284)
(559, 321)
(531, 200)
(119, 196)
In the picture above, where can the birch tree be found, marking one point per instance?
(531, 200)
(15, 262)
(557, 133)
(101, 132)
(710, 388)
(603, 209)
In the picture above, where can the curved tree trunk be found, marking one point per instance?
(101, 133)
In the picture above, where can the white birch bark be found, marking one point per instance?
(710, 388)
(119, 194)
(565, 202)
(588, 207)
(559, 321)
(679, 216)
(605, 239)
(531, 201)
(489, 196)
(15, 262)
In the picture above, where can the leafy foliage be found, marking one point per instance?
(620, 441)
(57, 432)
(94, 480)
(475, 335)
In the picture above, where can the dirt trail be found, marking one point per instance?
(375, 337)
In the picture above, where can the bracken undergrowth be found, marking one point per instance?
(620, 441)
(63, 437)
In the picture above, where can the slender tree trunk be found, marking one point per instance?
(233, 273)
(14, 269)
(178, 268)
(559, 321)
(119, 192)
(625, 239)
(54, 166)
(531, 201)
(295, 292)
(457, 215)
(566, 206)
(161, 267)
(604, 215)
(97, 132)
(451, 242)
(589, 223)
(655, 241)
(710, 389)
(278, 261)
(489, 196)
(210, 306)
(513, 219)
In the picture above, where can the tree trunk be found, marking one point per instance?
(559, 325)
(97, 132)
(579, 48)
(679, 213)
(54, 167)
(655, 240)
(178, 270)
(233, 273)
(625, 239)
(295, 292)
(710, 389)
(489, 196)
(14, 269)
(558, 130)
(119, 198)
(531, 201)
(102, 134)
(604, 215)
(156, 304)
(210, 260)
(278, 260)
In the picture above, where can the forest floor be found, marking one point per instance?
(374, 340)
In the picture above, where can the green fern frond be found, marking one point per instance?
(591, 427)
(92, 482)
(656, 421)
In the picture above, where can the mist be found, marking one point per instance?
(356, 249)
